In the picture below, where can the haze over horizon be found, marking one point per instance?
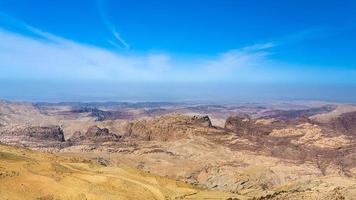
(212, 51)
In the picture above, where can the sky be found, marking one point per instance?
(177, 50)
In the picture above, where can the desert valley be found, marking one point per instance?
(160, 150)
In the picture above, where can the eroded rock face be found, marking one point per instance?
(239, 125)
(203, 121)
(345, 123)
(44, 133)
(247, 126)
(95, 134)
(48, 133)
(312, 136)
(42, 137)
(298, 140)
(168, 127)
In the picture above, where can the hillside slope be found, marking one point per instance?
(27, 174)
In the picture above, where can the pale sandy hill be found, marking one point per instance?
(26, 174)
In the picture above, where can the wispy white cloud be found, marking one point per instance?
(259, 47)
(119, 41)
(118, 38)
(45, 56)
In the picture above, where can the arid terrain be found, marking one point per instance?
(159, 150)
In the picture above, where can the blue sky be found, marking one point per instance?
(58, 45)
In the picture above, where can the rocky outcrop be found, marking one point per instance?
(48, 133)
(36, 137)
(345, 123)
(41, 133)
(203, 121)
(253, 127)
(95, 134)
(295, 140)
(239, 125)
(168, 127)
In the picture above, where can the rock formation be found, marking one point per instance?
(247, 126)
(345, 123)
(168, 127)
(95, 134)
(37, 137)
(239, 125)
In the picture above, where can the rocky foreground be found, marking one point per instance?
(257, 153)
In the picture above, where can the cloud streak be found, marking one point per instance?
(33, 54)
(42, 55)
(119, 41)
